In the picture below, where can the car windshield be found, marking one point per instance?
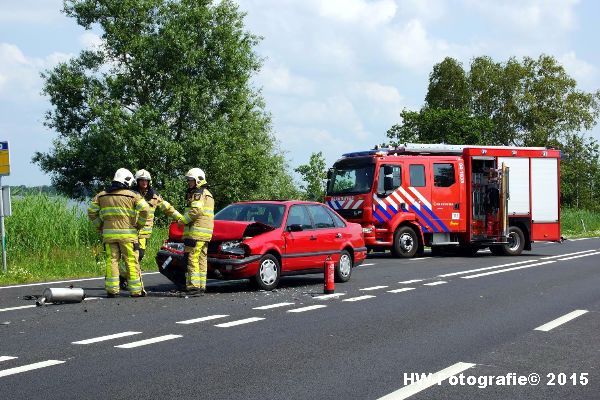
(268, 214)
(351, 180)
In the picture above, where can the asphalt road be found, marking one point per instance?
(482, 334)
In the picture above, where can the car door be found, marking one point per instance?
(300, 246)
(329, 236)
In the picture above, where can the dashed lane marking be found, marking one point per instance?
(359, 298)
(92, 298)
(561, 320)
(434, 283)
(107, 337)
(148, 341)
(366, 265)
(372, 288)
(201, 319)
(239, 322)
(568, 254)
(507, 270)
(411, 281)
(485, 269)
(277, 305)
(6, 358)
(29, 367)
(17, 308)
(579, 256)
(420, 258)
(328, 296)
(308, 308)
(575, 240)
(405, 289)
(427, 382)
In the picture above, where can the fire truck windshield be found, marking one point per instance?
(353, 179)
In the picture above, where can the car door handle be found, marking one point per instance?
(313, 238)
(338, 235)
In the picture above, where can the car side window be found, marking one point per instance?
(417, 175)
(299, 216)
(321, 217)
(339, 223)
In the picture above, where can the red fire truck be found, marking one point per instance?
(449, 196)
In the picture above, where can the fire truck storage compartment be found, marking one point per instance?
(485, 187)
(545, 220)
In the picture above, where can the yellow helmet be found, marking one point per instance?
(197, 174)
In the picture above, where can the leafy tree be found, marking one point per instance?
(580, 172)
(448, 86)
(314, 175)
(169, 89)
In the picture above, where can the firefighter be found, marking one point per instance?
(156, 202)
(199, 221)
(119, 213)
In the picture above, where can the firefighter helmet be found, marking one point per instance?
(197, 174)
(143, 174)
(124, 176)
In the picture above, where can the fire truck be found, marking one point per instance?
(449, 197)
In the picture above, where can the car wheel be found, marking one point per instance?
(343, 269)
(406, 242)
(267, 276)
(516, 242)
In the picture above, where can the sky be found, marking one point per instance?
(336, 73)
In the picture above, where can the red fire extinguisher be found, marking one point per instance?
(329, 276)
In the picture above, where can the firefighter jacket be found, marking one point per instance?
(199, 215)
(118, 213)
(156, 202)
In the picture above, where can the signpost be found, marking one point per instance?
(4, 171)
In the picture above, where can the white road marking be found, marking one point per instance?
(431, 380)
(29, 367)
(507, 270)
(485, 269)
(359, 298)
(277, 305)
(435, 283)
(579, 256)
(372, 288)
(406, 289)
(574, 240)
(68, 281)
(92, 298)
(366, 265)
(201, 319)
(308, 308)
(239, 322)
(411, 281)
(6, 358)
(328, 296)
(568, 254)
(107, 337)
(17, 308)
(559, 321)
(148, 341)
(420, 258)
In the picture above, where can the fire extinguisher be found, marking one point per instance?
(329, 276)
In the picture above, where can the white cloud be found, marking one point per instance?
(379, 93)
(30, 11)
(90, 40)
(278, 79)
(583, 72)
(369, 13)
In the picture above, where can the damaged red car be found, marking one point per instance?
(265, 240)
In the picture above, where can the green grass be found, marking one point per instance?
(48, 238)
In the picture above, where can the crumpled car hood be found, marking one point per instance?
(237, 230)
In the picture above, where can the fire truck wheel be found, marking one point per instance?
(516, 242)
(344, 268)
(406, 242)
(267, 276)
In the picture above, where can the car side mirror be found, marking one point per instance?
(295, 228)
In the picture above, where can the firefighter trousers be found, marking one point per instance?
(197, 264)
(125, 251)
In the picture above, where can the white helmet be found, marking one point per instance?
(143, 174)
(197, 174)
(124, 176)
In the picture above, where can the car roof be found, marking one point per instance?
(282, 202)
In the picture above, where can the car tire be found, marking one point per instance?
(343, 269)
(269, 271)
(406, 242)
(516, 242)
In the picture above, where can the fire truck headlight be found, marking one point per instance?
(367, 230)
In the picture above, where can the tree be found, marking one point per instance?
(314, 174)
(448, 86)
(169, 89)
(580, 172)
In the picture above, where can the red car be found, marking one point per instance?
(264, 240)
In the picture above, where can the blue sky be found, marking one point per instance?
(336, 72)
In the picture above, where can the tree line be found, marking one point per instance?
(170, 88)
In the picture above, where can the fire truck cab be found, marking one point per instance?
(449, 196)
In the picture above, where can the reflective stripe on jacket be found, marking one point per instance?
(118, 214)
(156, 202)
(199, 215)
